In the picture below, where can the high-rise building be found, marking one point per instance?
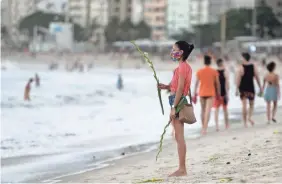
(217, 8)
(84, 12)
(137, 11)
(199, 12)
(178, 16)
(155, 16)
(121, 9)
(5, 13)
(276, 6)
(242, 3)
(206, 11)
(15, 10)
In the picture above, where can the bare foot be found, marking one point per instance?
(217, 129)
(204, 132)
(227, 126)
(245, 125)
(251, 121)
(178, 173)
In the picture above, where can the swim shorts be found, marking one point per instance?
(221, 101)
(248, 95)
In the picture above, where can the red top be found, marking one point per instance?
(185, 70)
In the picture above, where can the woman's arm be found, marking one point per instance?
(196, 86)
(257, 77)
(168, 86)
(217, 86)
(264, 81)
(238, 78)
(196, 83)
(227, 87)
(164, 86)
(278, 87)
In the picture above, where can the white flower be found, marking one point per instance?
(146, 54)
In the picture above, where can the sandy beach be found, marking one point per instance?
(240, 155)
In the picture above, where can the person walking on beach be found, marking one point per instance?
(27, 90)
(209, 89)
(224, 89)
(272, 91)
(37, 80)
(179, 87)
(245, 86)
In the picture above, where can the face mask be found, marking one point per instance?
(175, 55)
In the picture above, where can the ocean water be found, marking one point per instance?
(76, 118)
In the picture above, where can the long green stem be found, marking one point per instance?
(177, 110)
(161, 141)
(154, 72)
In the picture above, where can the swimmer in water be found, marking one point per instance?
(37, 80)
(27, 90)
(120, 82)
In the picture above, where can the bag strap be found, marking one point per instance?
(190, 97)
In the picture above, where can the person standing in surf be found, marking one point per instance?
(246, 74)
(120, 82)
(272, 92)
(27, 90)
(224, 89)
(209, 89)
(37, 80)
(179, 87)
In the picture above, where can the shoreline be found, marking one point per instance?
(208, 158)
(120, 154)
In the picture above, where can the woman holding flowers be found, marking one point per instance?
(179, 87)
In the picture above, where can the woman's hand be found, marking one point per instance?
(163, 86)
(172, 114)
(227, 98)
(194, 99)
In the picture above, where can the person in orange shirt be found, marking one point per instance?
(208, 79)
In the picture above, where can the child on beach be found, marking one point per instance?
(27, 90)
(179, 87)
(224, 89)
(272, 91)
(208, 79)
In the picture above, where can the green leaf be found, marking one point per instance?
(150, 63)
